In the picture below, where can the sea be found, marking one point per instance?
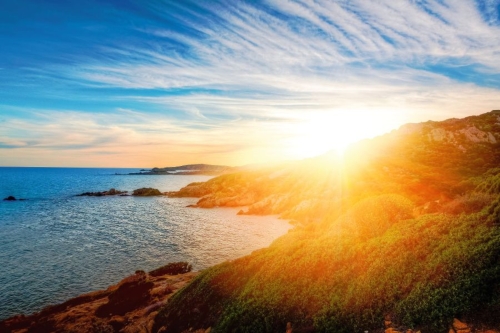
(55, 245)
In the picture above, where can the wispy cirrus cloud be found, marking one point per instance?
(189, 77)
(312, 38)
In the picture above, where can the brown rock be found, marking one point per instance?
(146, 192)
(391, 330)
(77, 315)
(117, 322)
(132, 292)
(150, 325)
(460, 327)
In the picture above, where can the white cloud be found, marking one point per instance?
(272, 72)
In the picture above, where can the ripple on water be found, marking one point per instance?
(54, 249)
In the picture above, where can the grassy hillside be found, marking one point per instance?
(428, 162)
(405, 225)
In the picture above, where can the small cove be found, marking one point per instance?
(55, 245)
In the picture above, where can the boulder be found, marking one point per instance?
(146, 192)
(10, 198)
(173, 268)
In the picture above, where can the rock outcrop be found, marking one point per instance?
(111, 191)
(12, 198)
(174, 268)
(129, 306)
(131, 293)
(141, 192)
(146, 192)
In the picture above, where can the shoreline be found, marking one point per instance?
(129, 305)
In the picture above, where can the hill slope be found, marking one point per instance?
(407, 227)
(426, 162)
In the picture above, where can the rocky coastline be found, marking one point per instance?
(129, 306)
(422, 260)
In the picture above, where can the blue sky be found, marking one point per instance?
(156, 83)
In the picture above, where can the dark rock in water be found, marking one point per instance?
(147, 192)
(111, 191)
(10, 198)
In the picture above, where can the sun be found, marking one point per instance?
(336, 130)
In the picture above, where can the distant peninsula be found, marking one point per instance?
(189, 169)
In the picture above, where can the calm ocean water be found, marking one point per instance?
(55, 245)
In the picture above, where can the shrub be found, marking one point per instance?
(468, 203)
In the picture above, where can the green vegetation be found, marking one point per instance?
(403, 225)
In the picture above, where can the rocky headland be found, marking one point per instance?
(189, 169)
(429, 162)
(405, 223)
(130, 306)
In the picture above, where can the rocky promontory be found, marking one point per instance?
(189, 169)
(129, 306)
(427, 162)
